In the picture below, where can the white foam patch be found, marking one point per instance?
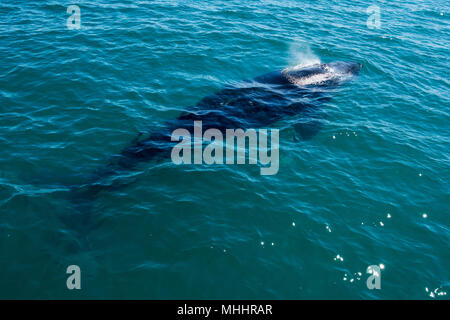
(316, 79)
(306, 63)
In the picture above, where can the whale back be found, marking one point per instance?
(322, 74)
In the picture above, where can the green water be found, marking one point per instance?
(370, 188)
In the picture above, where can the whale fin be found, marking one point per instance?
(307, 130)
(136, 140)
(310, 126)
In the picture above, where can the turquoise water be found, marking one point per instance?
(371, 188)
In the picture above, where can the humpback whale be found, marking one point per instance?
(295, 92)
(256, 103)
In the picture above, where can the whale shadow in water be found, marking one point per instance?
(293, 93)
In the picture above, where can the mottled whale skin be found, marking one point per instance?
(258, 103)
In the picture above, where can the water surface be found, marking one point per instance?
(370, 189)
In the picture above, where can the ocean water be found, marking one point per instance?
(371, 188)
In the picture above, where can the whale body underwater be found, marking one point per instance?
(292, 93)
(256, 103)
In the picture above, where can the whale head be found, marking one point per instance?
(345, 67)
(322, 74)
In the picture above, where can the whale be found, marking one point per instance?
(257, 103)
(295, 93)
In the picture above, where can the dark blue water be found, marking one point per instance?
(370, 188)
